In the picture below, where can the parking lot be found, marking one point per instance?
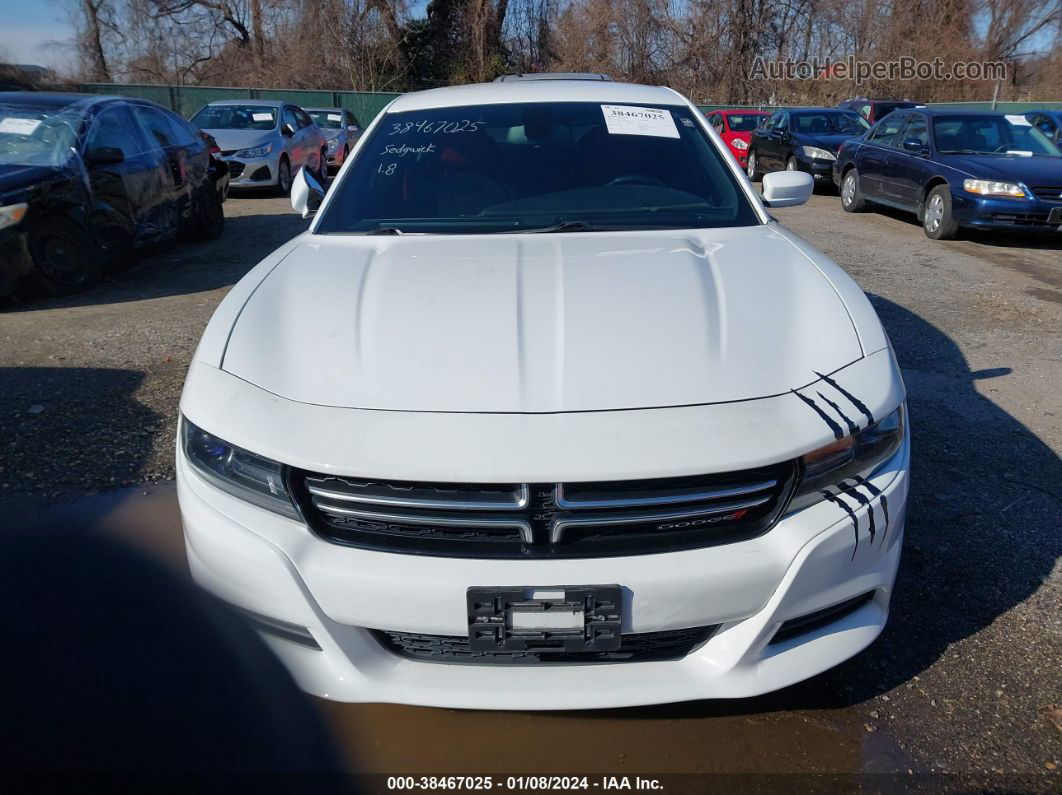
(966, 675)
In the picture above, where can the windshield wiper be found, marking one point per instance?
(563, 226)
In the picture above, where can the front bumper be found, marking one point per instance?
(274, 567)
(1000, 213)
(255, 172)
(820, 170)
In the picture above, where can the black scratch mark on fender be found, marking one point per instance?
(866, 503)
(852, 427)
(852, 398)
(881, 496)
(836, 500)
(837, 432)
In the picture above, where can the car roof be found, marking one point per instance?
(55, 99)
(745, 111)
(817, 110)
(559, 90)
(315, 108)
(262, 103)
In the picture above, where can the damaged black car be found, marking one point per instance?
(85, 180)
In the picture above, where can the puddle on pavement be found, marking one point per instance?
(700, 737)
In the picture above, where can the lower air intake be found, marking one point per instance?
(640, 647)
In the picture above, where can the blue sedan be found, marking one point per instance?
(955, 169)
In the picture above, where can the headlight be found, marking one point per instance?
(818, 154)
(12, 214)
(737, 143)
(857, 455)
(333, 143)
(239, 472)
(255, 151)
(986, 187)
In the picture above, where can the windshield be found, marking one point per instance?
(744, 122)
(829, 123)
(991, 135)
(883, 109)
(235, 117)
(532, 166)
(37, 135)
(329, 119)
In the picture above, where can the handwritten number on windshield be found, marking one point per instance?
(428, 127)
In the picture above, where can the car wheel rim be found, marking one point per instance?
(848, 191)
(791, 165)
(934, 213)
(285, 175)
(752, 166)
(60, 261)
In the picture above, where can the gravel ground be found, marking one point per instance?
(966, 677)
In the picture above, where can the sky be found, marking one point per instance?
(27, 27)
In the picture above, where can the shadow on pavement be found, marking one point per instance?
(179, 268)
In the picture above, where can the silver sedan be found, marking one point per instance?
(341, 129)
(264, 142)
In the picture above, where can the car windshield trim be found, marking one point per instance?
(514, 167)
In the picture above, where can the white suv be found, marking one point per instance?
(545, 411)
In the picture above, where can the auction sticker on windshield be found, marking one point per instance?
(262, 116)
(19, 126)
(631, 120)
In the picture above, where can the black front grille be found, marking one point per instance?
(640, 647)
(1050, 193)
(559, 520)
(235, 168)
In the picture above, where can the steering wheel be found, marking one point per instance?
(636, 179)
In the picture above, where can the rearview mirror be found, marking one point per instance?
(787, 188)
(307, 193)
(104, 156)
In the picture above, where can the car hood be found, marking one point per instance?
(541, 323)
(828, 142)
(240, 139)
(1030, 170)
(18, 178)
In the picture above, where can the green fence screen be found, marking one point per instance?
(186, 100)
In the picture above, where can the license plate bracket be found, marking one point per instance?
(546, 618)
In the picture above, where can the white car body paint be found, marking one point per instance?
(544, 359)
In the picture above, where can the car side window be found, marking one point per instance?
(918, 129)
(183, 134)
(158, 127)
(884, 133)
(287, 116)
(864, 111)
(783, 121)
(352, 120)
(115, 128)
(303, 118)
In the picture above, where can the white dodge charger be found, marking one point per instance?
(546, 411)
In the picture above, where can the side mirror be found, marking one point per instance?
(104, 156)
(913, 145)
(287, 130)
(787, 188)
(353, 128)
(307, 193)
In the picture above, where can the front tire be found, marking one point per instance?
(751, 169)
(938, 222)
(283, 176)
(852, 200)
(65, 259)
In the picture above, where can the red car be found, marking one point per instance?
(735, 126)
